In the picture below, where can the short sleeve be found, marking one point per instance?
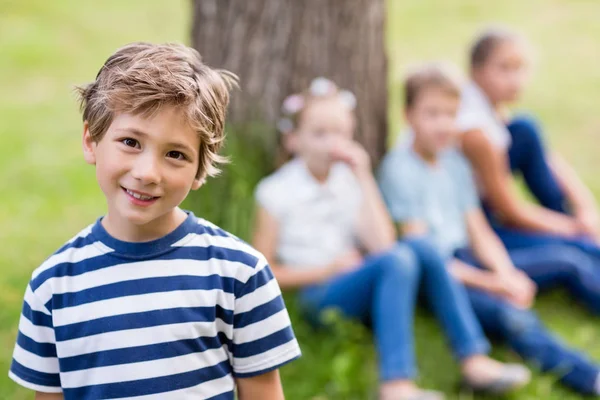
(467, 185)
(267, 197)
(263, 339)
(35, 363)
(397, 186)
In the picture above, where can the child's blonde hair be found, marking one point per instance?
(141, 78)
(430, 76)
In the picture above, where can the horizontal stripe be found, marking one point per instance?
(100, 262)
(47, 365)
(34, 302)
(257, 280)
(33, 386)
(143, 302)
(142, 286)
(268, 360)
(142, 337)
(259, 313)
(37, 348)
(204, 239)
(79, 240)
(143, 370)
(206, 226)
(261, 295)
(151, 385)
(40, 334)
(264, 327)
(34, 376)
(217, 389)
(36, 317)
(70, 255)
(127, 355)
(144, 269)
(142, 320)
(263, 344)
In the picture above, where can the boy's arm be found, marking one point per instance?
(578, 194)
(261, 387)
(516, 288)
(48, 396)
(494, 173)
(265, 236)
(485, 244)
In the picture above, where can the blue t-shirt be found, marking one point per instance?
(438, 195)
(174, 318)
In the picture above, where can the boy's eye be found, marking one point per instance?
(129, 142)
(176, 155)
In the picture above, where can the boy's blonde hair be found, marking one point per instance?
(430, 76)
(141, 78)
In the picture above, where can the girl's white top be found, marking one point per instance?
(476, 112)
(317, 222)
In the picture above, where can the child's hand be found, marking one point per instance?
(353, 154)
(346, 262)
(516, 287)
(589, 223)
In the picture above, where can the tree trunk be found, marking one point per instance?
(277, 47)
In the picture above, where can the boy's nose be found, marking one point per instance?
(146, 170)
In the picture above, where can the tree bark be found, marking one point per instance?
(277, 47)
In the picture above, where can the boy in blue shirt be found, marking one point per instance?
(151, 301)
(429, 190)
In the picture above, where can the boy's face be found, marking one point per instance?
(504, 74)
(433, 119)
(145, 166)
(322, 124)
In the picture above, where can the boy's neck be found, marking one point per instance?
(429, 157)
(125, 231)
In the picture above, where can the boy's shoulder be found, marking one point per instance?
(401, 162)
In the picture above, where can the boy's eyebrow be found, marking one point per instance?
(170, 144)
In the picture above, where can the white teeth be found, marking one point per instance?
(139, 196)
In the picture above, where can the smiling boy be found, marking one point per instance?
(151, 301)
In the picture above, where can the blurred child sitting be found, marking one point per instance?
(429, 190)
(315, 215)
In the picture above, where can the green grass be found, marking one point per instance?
(47, 192)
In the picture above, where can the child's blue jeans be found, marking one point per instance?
(383, 292)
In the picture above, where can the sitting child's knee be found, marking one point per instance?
(525, 125)
(518, 321)
(399, 260)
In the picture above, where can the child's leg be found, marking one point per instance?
(384, 290)
(528, 156)
(449, 302)
(527, 336)
(564, 265)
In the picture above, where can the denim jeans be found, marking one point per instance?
(523, 330)
(383, 291)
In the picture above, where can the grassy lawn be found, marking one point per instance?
(47, 192)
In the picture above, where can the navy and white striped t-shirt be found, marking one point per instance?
(175, 318)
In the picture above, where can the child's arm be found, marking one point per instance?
(579, 195)
(494, 173)
(375, 228)
(486, 246)
(266, 231)
(492, 283)
(48, 396)
(261, 387)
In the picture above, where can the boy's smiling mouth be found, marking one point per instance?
(140, 198)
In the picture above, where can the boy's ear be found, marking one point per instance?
(89, 145)
(198, 182)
